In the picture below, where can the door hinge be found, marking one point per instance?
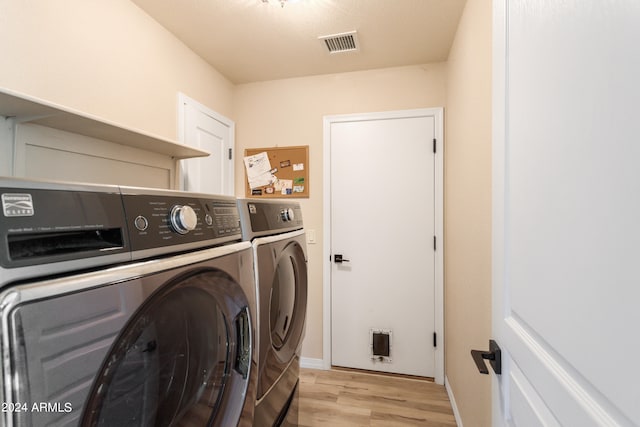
(434, 145)
(230, 153)
(434, 243)
(435, 339)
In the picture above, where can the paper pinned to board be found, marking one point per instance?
(259, 171)
(284, 186)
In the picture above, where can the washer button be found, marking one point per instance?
(141, 223)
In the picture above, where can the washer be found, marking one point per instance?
(277, 236)
(124, 306)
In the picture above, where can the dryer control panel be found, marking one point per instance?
(264, 217)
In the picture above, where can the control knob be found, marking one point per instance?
(287, 215)
(183, 219)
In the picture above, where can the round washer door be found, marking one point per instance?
(182, 359)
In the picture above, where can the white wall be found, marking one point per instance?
(468, 212)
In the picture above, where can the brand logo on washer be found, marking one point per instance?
(15, 204)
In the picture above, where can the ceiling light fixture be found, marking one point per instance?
(282, 2)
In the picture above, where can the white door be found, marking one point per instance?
(566, 229)
(383, 224)
(204, 129)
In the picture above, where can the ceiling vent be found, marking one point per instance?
(343, 42)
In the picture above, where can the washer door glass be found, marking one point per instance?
(171, 363)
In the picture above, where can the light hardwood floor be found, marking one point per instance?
(339, 398)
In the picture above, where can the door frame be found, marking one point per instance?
(499, 401)
(438, 116)
(183, 102)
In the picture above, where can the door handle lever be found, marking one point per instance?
(338, 259)
(494, 356)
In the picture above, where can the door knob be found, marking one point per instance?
(494, 356)
(338, 259)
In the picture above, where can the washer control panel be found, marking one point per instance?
(49, 228)
(163, 221)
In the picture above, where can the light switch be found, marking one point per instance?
(311, 236)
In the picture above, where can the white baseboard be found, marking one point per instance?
(453, 402)
(307, 362)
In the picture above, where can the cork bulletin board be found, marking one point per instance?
(277, 172)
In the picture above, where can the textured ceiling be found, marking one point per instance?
(249, 40)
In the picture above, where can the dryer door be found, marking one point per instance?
(283, 305)
(182, 359)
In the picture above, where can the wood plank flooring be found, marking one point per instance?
(350, 398)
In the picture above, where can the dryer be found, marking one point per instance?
(124, 306)
(275, 230)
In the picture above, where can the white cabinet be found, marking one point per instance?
(39, 139)
(23, 109)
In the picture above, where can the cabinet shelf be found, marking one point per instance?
(26, 109)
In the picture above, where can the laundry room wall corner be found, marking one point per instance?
(468, 212)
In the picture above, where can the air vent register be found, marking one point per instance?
(340, 43)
